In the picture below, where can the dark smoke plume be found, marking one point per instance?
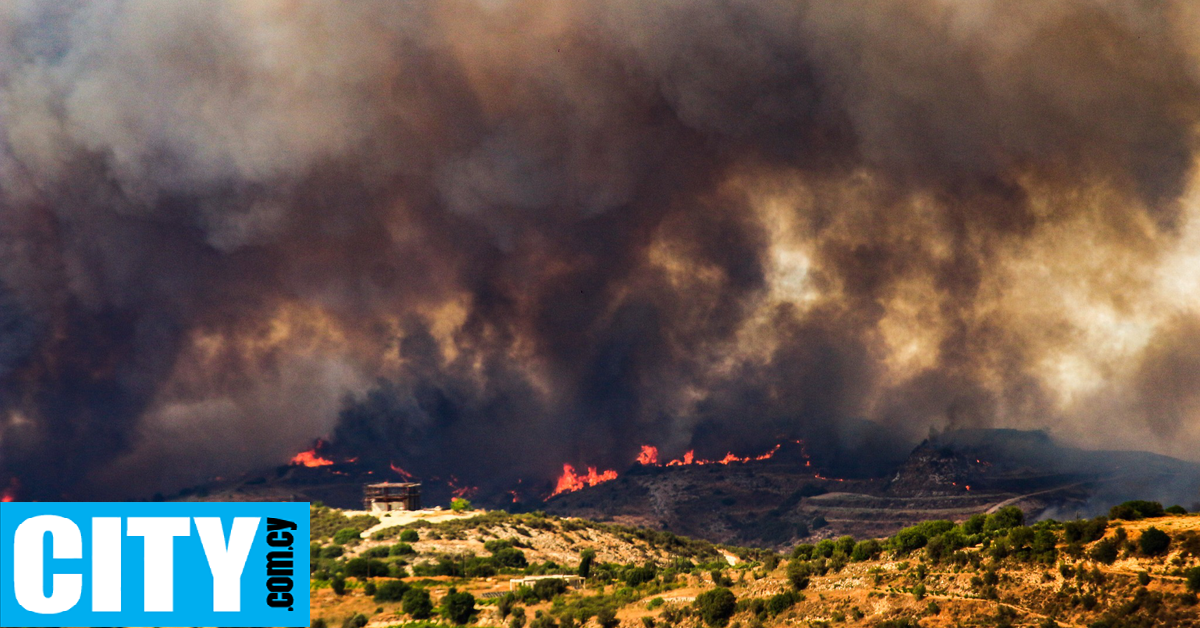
(491, 236)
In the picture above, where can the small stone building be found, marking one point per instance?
(389, 496)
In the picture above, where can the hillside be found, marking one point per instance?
(989, 570)
(789, 499)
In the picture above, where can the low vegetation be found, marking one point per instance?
(1138, 567)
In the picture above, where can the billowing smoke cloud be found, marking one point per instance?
(487, 237)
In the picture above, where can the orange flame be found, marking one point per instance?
(688, 458)
(310, 458)
(571, 481)
(730, 458)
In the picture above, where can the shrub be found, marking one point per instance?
(916, 537)
(355, 621)
(1105, 552)
(338, 585)
(1154, 542)
(607, 618)
(549, 588)
(780, 602)
(410, 536)
(459, 504)
(391, 591)
(346, 536)
(975, 524)
(1193, 578)
(639, 575)
(416, 602)
(458, 607)
(369, 588)
(381, 551)
(1137, 509)
(401, 549)
(1143, 578)
(333, 551)
(1176, 510)
(803, 551)
(1085, 531)
(318, 623)
(799, 573)
(716, 606)
(1003, 519)
(866, 550)
(919, 592)
(366, 568)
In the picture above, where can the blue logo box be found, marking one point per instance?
(154, 564)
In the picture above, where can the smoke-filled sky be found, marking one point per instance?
(491, 236)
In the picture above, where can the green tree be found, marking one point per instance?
(586, 558)
(803, 551)
(416, 603)
(1105, 552)
(865, 550)
(716, 606)
(510, 557)
(1136, 509)
(366, 568)
(1154, 542)
(799, 573)
(410, 536)
(1003, 519)
(338, 585)
(391, 591)
(458, 607)
(459, 504)
(607, 618)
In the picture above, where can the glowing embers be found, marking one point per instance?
(9, 494)
(571, 481)
(401, 472)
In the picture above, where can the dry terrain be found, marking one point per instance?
(1030, 582)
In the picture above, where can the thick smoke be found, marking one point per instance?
(485, 237)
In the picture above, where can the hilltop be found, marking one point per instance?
(791, 497)
(987, 570)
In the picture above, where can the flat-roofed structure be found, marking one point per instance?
(572, 581)
(389, 496)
